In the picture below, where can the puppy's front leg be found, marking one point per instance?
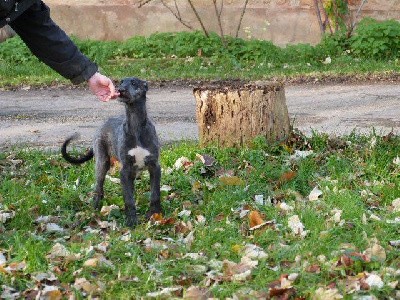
(155, 177)
(128, 190)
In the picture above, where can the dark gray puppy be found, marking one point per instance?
(132, 140)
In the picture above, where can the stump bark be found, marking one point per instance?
(234, 114)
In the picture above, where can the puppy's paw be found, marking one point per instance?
(97, 201)
(131, 221)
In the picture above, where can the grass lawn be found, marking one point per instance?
(314, 218)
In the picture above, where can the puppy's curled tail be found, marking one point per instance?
(75, 160)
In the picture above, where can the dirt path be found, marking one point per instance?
(43, 118)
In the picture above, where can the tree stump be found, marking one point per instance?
(233, 114)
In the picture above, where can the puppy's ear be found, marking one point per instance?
(146, 86)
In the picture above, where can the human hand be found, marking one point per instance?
(102, 87)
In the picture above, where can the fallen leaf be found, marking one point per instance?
(374, 281)
(53, 227)
(196, 186)
(239, 271)
(15, 267)
(314, 194)
(314, 269)
(231, 180)
(102, 247)
(9, 293)
(376, 252)
(296, 226)
(3, 259)
(184, 213)
(50, 292)
(156, 217)
(113, 179)
(281, 293)
(84, 285)
(298, 154)
(396, 205)
(189, 239)
(106, 210)
(200, 219)
(287, 176)
(395, 243)
(255, 219)
(4, 216)
(326, 294)
(166, 292)
(259, 199)
(327, 61)
(196, 293)
(182, 163)
(58, 250)
(207, 160)
(282, 206)
(254, 252)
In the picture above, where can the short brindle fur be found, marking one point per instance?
(132, 140)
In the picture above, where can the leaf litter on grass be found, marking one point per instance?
(312, 219)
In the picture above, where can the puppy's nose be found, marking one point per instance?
(121, 89)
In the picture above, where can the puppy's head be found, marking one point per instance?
(132, 89)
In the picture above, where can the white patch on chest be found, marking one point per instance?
(139, 154)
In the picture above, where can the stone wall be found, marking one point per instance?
(281, 21)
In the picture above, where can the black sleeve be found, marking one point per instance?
(51, 44)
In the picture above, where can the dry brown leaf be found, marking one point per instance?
(255, 218)
(286, 177)
(182, 228)
(166, 292)
(377, 252)
(156, 217)
(239, 271)
(282, 293)
(196, 293)
(84, 285)
(15, 267)
(51, 293)
(314, 269)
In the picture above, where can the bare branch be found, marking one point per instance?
(143, 2)
(317, 10)
(177, 14)
(354, 22)
(241, 17)
(218, 14)
(326, 21)
(198, 18)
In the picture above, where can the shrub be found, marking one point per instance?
(15, 51)
(376, 39)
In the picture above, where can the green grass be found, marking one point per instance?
(356, 175)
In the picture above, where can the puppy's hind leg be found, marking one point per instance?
(102, 165)
(128, 190)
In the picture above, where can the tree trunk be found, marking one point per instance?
(234, 114)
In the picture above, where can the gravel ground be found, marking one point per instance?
(45, 117)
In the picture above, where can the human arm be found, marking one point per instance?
(51, 45)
